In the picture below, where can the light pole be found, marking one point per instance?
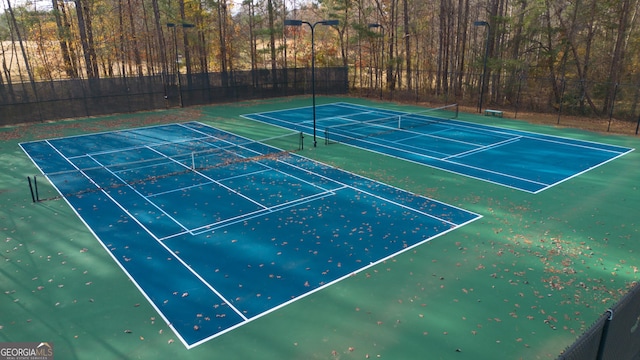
(175, 49)
(313, 61)
(486, 55)
(371, 26)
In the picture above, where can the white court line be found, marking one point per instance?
(129, 148)
(447, 127)
(497, 131)
(378, 144)
(468, 128)
(244, 318)
(106, 248)
(103, 190)
(99, 133)
(324, 192)
(255, 214)
(286, 121)
(237, 311)
(484, 148)
(354, 174)
(484, 129)
(214, 181)
(142, 196)
(362, 107)
(378, 196)
(307, 122)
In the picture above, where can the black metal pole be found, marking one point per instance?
(564, 84)
(288, 22)
(484, 69)
(31, 188)
(177, 67)
(486, 55)
(613, 104)
(35, 185)
(313, 81)
(381, 54)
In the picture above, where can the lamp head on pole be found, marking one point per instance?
(184, 25)
(480, 23)
(329, 22)
(289, 22)
(371, 26)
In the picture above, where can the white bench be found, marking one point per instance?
(490, 112)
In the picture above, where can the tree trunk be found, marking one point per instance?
(185, 41)
(73, 57)
(69, 69)
(272, 42)
(617, 59)
(151, 53)
(7, 74)
(25, 57)
(443, 48)
(202, 46)
(92, 45)
(82, 29)
(550, 55)
(253, 43)
(161, 45)
(122, 57)
(407, 44)
(136, 50)
(514, 72)
(391, 84)
(222, 34)
(461, 39)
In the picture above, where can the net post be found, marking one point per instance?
(193, 161)
(456, 106)
(301, 143)
(326, 136)
(35, 185)
(31, 188)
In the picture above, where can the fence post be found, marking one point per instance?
(520, 76)
(33, 197)
(561, 99)
(613, 105)
(603, 337)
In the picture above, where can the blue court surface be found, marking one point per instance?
(216, 230)
(522, 160)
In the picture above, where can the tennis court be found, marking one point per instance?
(217, 230)
(521, 160)
(523, 281)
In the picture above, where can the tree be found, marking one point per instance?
(618, 55)
(63, 39)
(86, 38)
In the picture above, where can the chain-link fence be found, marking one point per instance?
(571, 102)
(560, 100)
(33, 102)
(615, 335)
